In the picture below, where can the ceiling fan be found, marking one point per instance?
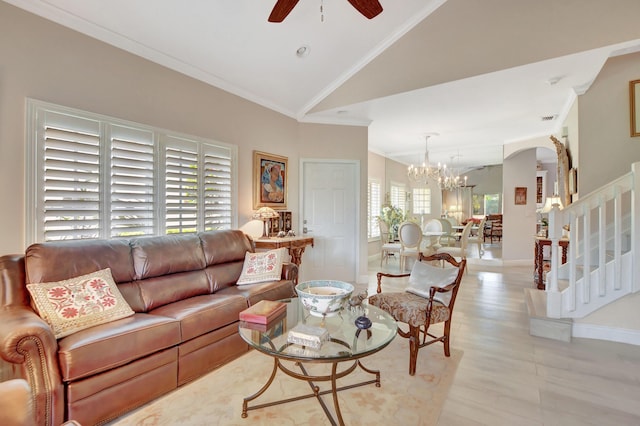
(368, 8)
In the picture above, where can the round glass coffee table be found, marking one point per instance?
(346, 344)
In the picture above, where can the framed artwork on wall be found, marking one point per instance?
(270, 187)
(573, 181)
(634, 106)
(521, 195)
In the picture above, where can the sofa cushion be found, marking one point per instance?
(224, 246)
(271, 290)
(165, 255)
(117, 343)
(160, 291)
(203, 314)
(50, 261)
(72, 305)
(262, 266)
(223, 275)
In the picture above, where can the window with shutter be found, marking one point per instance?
(217, 187)
(373, 209)
(91, 176)
(69, 189)
(398, 196)
(132, 194)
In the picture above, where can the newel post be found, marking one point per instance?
(554, 298)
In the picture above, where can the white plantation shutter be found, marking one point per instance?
(398, 196)
(91, 176)
(373, 209)
(69, 189)
(217, 187)
(182, 185)
(133, 196)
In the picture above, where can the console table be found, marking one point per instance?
(295, 245)
(540, 243)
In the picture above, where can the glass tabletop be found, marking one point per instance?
(344, 343)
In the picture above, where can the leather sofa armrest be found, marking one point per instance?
(290, 272)
(27, 340)
(16, 404)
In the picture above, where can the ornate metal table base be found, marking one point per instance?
(317, 393)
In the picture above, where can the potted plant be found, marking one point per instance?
(393, 216)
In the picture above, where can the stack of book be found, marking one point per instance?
(263, 314)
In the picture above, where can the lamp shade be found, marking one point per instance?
(549, 203)
(264, 214)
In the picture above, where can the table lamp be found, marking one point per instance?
(264, 214)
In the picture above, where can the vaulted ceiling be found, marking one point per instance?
(479, 73)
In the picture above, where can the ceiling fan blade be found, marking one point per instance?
(281, 10)
(369, 8)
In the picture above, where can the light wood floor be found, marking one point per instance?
(507, 377)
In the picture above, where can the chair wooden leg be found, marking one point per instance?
(447, 329)
(414, 345)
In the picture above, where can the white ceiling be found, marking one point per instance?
(354, 73)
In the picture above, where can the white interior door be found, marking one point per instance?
(329, 214)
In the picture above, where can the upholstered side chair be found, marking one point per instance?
(428, 299)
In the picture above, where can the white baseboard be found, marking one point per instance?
(601, 332)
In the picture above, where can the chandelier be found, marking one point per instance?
(446, 179)
(450, 181)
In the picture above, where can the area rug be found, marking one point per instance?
(216, 399)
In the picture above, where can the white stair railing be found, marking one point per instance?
(603, 239)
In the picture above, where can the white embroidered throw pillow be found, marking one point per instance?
(77, 303)
(262, 266)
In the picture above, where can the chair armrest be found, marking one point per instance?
(290, 272)
(27, 340)
(383, 274)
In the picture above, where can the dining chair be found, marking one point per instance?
(428, 299)
(478, 238)
(460, 251)
(388, 247)
(410, 236)
(447, 238)
(432, 241)
(494, 229)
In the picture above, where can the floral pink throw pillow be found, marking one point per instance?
(77, 303)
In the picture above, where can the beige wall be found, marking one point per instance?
(341, 143)
(606, 148)
(45, 61)
(519, 221)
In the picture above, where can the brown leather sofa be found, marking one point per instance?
(182, 289)
(16, 404)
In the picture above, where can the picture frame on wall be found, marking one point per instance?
(573, 181)
(634, 107)
(521, 195)
(270, 183)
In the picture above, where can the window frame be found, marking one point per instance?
(419, 200)
(398, 195)
(373, 230)
(35, 174)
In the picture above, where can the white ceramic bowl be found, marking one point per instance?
(324, 297)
